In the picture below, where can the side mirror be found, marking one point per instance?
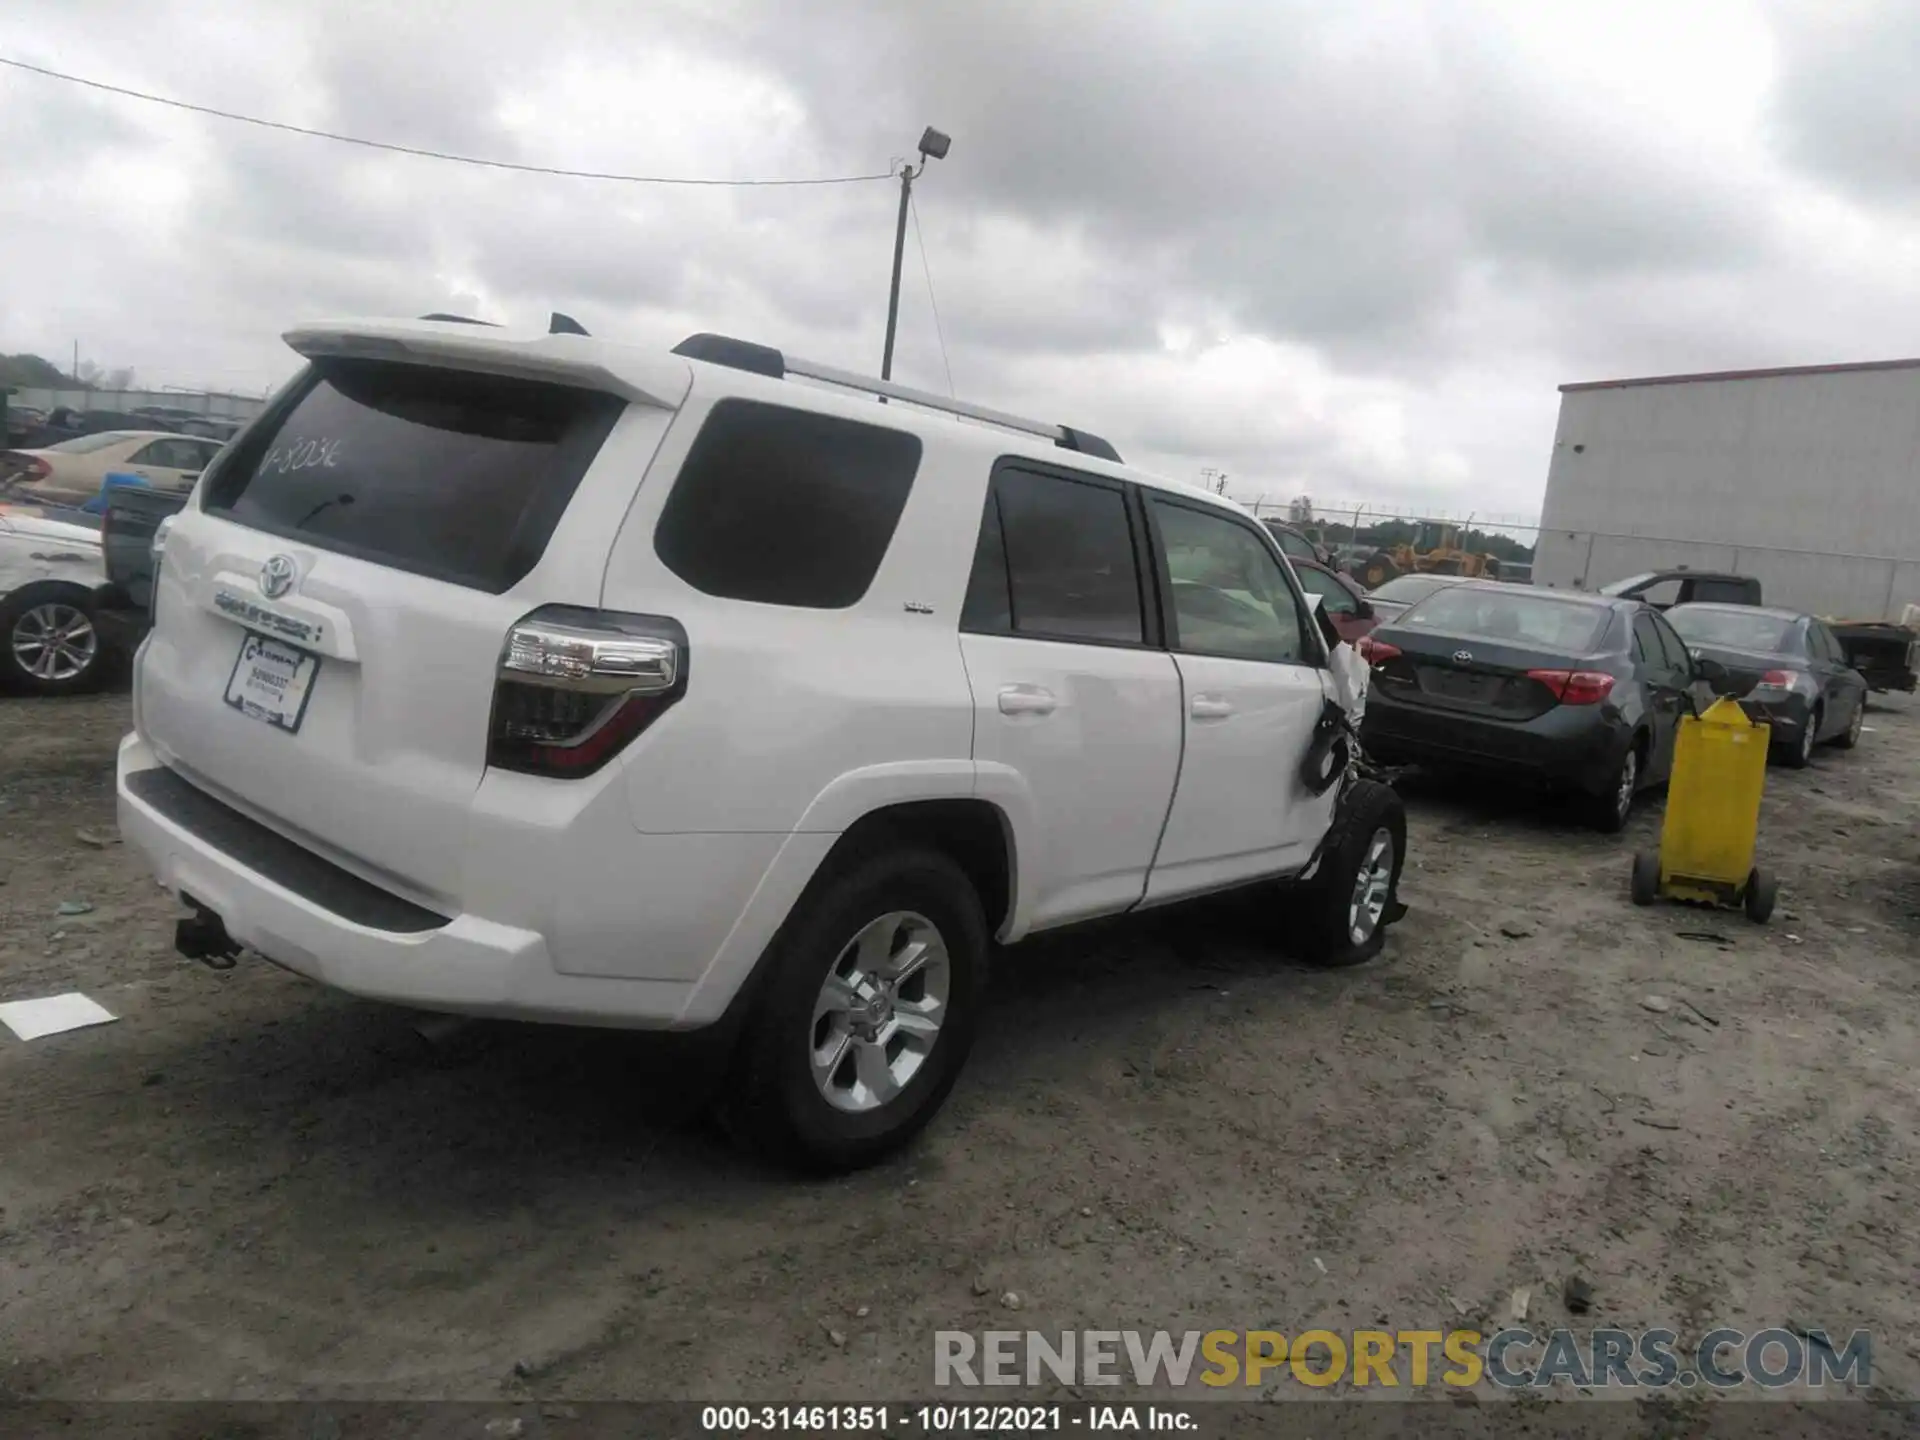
(1362, 610)
(1713, 672)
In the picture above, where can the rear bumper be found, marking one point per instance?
(1579, 746)
(315, 919)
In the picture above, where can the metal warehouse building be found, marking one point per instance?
(1806, 478)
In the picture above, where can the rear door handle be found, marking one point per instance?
(1210, 707)
(1026, 700)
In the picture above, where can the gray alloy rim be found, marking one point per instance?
(54, 641)
(1370, 887)
(1629, 773)
(879, 1012)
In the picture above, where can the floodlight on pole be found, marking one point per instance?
(934, 145)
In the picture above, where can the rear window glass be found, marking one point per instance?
(1734, 629)
(786, 507)
(84, 443)
(1409, 588)
(1512, 616)
(444, 473)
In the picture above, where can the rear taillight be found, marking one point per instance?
(1777, 680)
(1377, 652)
(1575, 687)
(576, 686)
(16, 467)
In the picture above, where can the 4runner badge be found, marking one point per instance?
(916, 607)
(276, 576)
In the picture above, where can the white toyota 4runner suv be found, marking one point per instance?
(527, 675)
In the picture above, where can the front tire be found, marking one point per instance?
(1355, 894)
(49, 644)
(868, 1013)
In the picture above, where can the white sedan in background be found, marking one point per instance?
(49, 569)
(72, 472)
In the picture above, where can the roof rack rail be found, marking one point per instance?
(765, 360)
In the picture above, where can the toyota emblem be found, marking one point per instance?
(1460, 657)
(277, 575)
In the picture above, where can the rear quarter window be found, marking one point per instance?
(444, 473)
(786, 507)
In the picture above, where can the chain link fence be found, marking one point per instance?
(1356, 531)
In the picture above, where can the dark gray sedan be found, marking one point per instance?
(1396, 596)
(1574, 691)
(1787, 668)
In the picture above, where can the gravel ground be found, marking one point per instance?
(249, 1187)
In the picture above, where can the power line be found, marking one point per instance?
(938, 330)
(412, 150)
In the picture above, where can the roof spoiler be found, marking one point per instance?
(765, 360)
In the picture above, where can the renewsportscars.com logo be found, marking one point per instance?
(1510, 1359)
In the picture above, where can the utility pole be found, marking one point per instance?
(1216, 480)
(933, 145)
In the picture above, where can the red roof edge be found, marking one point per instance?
(1743, 374)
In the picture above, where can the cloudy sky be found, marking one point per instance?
(1346, 250)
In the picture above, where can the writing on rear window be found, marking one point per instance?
(301, 455)
(444, 473)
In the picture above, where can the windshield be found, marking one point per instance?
(1409, 588)
(1735, 629)
(1564, 626)
(1620, 587)
(81, 444)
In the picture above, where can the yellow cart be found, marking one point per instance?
(1713, 817)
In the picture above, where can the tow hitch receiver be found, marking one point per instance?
(203, 936)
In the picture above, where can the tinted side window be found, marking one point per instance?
(989, 606)
(1334, 597)
(1825, 647)
(1649, 648)
(1230, 596)
(786, 507)
(1679, 659)
(1070, 558)
(1724, 592)
(1665, 593)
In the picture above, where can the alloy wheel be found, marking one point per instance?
(1370, 887)
(54, 641)
(879, 1012)
(1629, 778)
